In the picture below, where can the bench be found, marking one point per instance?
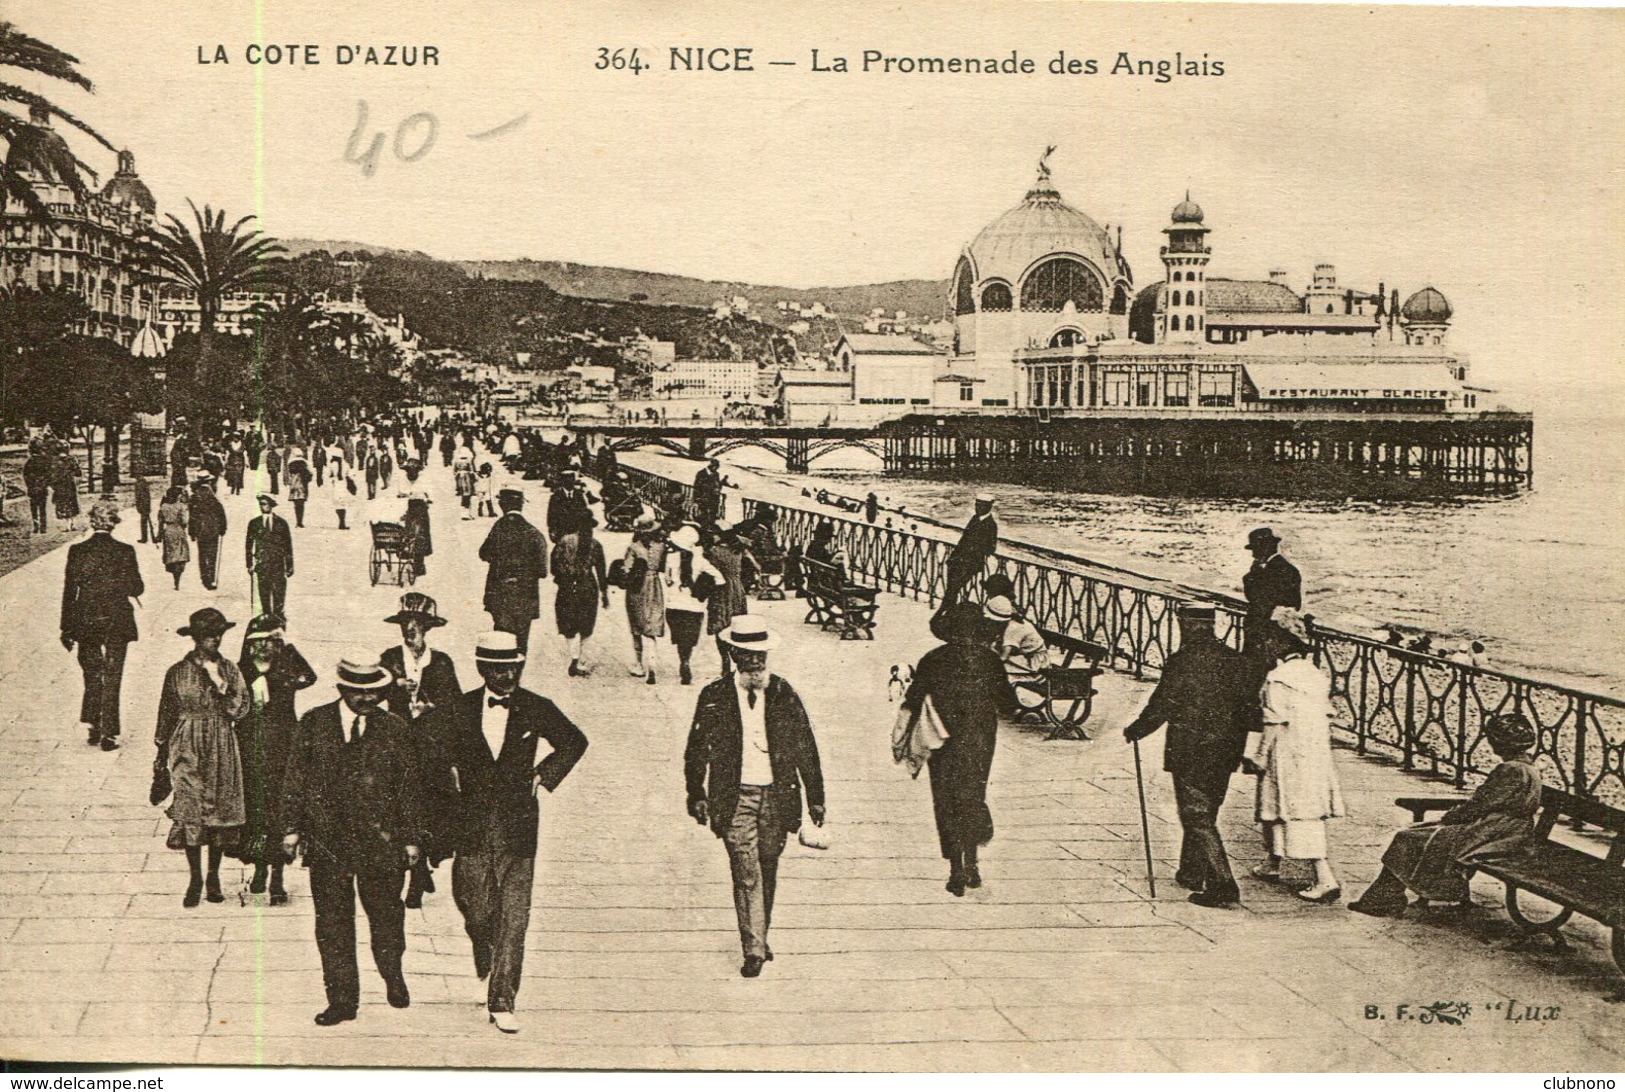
(1063, 694)
(834, 604)
(1577, 881)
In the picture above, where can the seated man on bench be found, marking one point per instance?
(1435, 859)
(1022, 649)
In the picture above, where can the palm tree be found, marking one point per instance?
(31, 145)
(212, 262)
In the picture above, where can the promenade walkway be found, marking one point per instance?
(1061, 962)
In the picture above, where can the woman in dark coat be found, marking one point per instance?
(578, 570)
(968, 689)
(419, 543)
(274, 672)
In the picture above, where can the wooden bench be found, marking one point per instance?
(1064, 693)
(835, 604)
(1576, 881)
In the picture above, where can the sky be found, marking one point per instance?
(1476, 150)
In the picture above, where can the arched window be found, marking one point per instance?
(964, 294)
(1120, 300)
(1190, 299)
(996, 297)
(1060, 281)
(1177, 276)
(1190, 322)
(1065, 339)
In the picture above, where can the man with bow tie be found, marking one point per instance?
(494, 756)
(352, 796)
(750, 750)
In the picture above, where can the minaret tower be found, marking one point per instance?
(1184, 262)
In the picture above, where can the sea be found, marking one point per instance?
(1539, 577)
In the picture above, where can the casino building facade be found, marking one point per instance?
(1046, 316)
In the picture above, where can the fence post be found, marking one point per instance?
(1461, 727)
(1579, 783)
(1362, 719)
(1408, 729)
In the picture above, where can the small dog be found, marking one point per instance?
(897, 685)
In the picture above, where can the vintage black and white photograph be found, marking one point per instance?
(948, 537)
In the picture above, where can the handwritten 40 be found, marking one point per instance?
(415, 138)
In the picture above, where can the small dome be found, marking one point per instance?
(126, 187)
(1426, 306)
(1187, 211)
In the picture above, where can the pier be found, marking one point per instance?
(1161, 452)
(1063, 961)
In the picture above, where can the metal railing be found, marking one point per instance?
(1426, 712)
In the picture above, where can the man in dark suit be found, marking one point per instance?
(206, 523)
(568, 509)
(976, 544)
(1202, 697)
(1272, 582)
(709, 502)
(102, 577)
(498, 728)
(426, 694)
(351, 794)
(750, 750)
(517, 555)
(268, 549)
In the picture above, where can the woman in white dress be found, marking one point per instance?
(338, 484)
(1298, 789)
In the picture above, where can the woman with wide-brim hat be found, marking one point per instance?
(274, 671)
(1298, 787)
(203, 697)
(968, 689)
(645, 566)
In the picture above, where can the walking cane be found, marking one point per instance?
(1145, 822)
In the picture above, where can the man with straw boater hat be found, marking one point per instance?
(268, 552)
(750, 750)
(352, 796)
(425, 696)
(493, 750)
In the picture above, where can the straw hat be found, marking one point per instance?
(362, 671)
(749, 632)
(498, 647)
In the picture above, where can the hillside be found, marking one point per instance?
(605, 282)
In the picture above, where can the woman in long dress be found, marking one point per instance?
(298, 472)
(203, 697)
(419, 542)
(173, 514)
(968, 690)
(645, 564)
(578, 570)
(463, 474)
(727, 556)
(1298, 789)
(274, 671)
(338, 484)
(1434, 859)
(690, 581)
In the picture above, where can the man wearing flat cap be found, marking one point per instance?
(102, 577)
(352, 796)
(1202, 697)
(750, 750)
(499, 729)
(517, 555)
(268, 550)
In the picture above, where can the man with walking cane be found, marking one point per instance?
(1201, 697)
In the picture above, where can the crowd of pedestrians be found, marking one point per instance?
(404, 770)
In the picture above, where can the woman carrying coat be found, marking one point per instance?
(644, 580)
(203, 697)
(173, 514)
(1298, 789)
(274, 671)
(968, 690)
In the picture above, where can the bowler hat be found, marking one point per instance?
(749, 632)
(511, 498)
(416, 605)
(1263, 536)
(207, 622)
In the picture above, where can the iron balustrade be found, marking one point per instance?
(1426, 711)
